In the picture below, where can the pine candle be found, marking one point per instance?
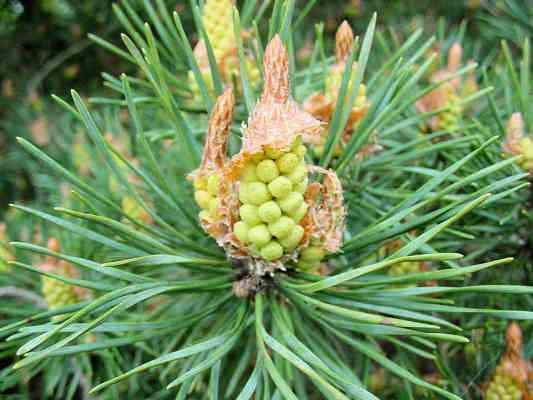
(514, 374)
(261, 205)
(322, 105)
(447, 96)
(217, 18)
(517, 143)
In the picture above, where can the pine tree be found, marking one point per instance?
(227, 258)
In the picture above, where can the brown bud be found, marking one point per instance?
(277, 119)
(343, 42)
(322, 105)
(214, 156)
(327, 213)
(455, 54)
(276, 68)
(512, 362)
(513, 338)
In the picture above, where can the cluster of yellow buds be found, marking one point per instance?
(503, 387)
(206, 195)
(217, 18)
(6, 254)
(271, 191)
(448, 95)
(513, 375)
(322, 105)
(57, 293)
(218, 22)
(517, 143)
(260, 205)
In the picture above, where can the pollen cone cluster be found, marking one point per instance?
(322, 105)
(217, 18)
(218, 22)
(260, 205)
(448, 95)
(513, 374)
(57, 293)
(272, 185)
(517, 143)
